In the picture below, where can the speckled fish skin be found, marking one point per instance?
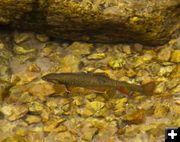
(88, 80)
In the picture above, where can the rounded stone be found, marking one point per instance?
(175, 56)
(164, 54)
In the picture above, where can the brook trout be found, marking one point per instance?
(88, 80)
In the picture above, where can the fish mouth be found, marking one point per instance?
(44, 78)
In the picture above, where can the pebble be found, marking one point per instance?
(135, 117)
(7, 110)
(60, 128)
(21, 37)
(138, 47)
(92, 108)
(45, 114)
(166, 71)
(78, 101)
(52, 124)
(64, 137)
(50, 48)
(91, 96)
(160, 88)
(172, 83)
(42, 37)
(155, 68)
(117, 64)
(69, 63)
(96, 56)
(176, 98)
(31, 119)
(144, 77)
(2, 46)
(78, 48)
(5, 72)
(18, 112)
(112, 10)
(88, 132)
(95, 106)
(34, 68)
(176, 110)
(41, 90)
(126, 49)
(35, 107)
(120, 106)
(140, 60)
(47, 51)
(101, 48)
(84, 112)
(176, 89)
(24, 58)
(22, 50)
(176, 72)
(131, 73)
(164, 54)
(176, 45)
(175, 56)
(160, 111)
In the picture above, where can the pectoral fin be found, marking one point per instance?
(149, 88)
(124, 90)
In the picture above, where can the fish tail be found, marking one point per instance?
(148, 89)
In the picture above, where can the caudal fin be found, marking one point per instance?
(148, 89)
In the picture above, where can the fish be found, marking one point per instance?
(96, 80)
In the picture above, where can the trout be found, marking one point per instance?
(93, 80)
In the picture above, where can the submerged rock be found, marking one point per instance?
(41, 90)
(88, 132)
(31, 119)
(78, 48)
(14, 112)
(52, 124)
(21, 37)
(175, 56)
(148, 22)
(18, 112)
(5, 73)
(34, 68)
(35, 107)
(22, 50)
(116, 64)
(120, 106)
(42, 37)
(164, 54)
(96, 56)
(135, 117)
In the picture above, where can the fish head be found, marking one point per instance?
(50, 78)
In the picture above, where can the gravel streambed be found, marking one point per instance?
(35, 110)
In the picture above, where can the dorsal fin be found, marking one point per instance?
(101, 74)
(94, 73)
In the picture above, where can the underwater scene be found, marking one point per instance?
(75, 91)
(89, 70)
